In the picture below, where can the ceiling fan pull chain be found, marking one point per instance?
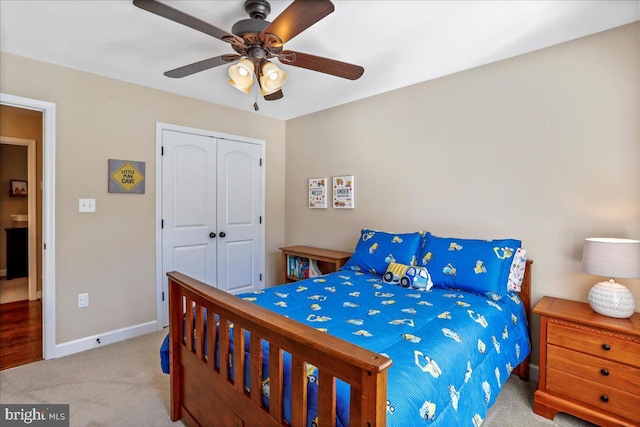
(255, 103)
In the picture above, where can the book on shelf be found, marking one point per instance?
(298, 267)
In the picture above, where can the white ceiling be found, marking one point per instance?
(399, 43)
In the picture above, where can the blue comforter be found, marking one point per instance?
(451, 350)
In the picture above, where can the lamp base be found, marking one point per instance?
(612, 299)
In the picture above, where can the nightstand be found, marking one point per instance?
(589, 364)
(327, 260)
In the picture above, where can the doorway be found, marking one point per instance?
(20, 208)
(44, 247)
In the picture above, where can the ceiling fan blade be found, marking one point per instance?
(322, 65)
(180, 17)
(274, 96)
(196, 67)
(300, 15)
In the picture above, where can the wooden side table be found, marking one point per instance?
(589, 364)
(328, 261)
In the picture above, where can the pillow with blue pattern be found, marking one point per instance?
(480, 266)
(376, 249)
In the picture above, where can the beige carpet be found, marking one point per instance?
(14, 289)
(122, 385)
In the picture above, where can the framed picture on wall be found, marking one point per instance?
(318, 193)
(343, 192)
(18, 188)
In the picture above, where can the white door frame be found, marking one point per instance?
(31, 208)
(160, 278)
(48, 215)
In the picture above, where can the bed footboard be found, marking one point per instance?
(209, 395)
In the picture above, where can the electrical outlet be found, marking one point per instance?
(83, 300)
(87, 205)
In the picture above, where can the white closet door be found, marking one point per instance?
(239, 231)
(189, 205)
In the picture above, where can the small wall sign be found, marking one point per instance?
(126, 176)
(318, 193)
(343, 192)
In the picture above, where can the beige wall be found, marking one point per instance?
(98, 119)
(25, 124)
(543, 147)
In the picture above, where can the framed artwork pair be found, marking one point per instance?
(343, 190)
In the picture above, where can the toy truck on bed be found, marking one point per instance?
(407, 276)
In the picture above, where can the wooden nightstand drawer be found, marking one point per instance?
(594, 341)
(602, 371)
(593, 394)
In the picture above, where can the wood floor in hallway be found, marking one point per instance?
(20, 333)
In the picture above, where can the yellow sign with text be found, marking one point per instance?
(127, 176)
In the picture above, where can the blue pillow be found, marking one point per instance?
(480, 266)
(376, 249)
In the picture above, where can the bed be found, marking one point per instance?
(452, 349)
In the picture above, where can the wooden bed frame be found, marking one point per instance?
(203, 395)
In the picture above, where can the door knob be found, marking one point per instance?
(212, 235)
(222, 234)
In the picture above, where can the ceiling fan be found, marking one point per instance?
(256, 41)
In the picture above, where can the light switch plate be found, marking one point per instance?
(87, 205)
(83, 300)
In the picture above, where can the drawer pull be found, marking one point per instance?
(604, 372)
(606, 347)
(604, 398)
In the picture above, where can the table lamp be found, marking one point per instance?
(611, 258)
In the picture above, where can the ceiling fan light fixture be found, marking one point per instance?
(255, 40)
(272, 78)
(241, 75)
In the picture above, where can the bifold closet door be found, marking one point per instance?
(211, 206)
(189, 205)
(239, 203)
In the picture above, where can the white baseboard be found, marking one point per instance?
(87, 343)
(3, 273)
(39, 295)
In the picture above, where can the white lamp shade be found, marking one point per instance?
(272, 78)
(619, 258)
(242, 75)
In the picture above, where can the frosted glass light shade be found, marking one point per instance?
(241, 75)
(611, 258)
(272, 78)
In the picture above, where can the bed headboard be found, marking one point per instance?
(525, 292)
(522, 370)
